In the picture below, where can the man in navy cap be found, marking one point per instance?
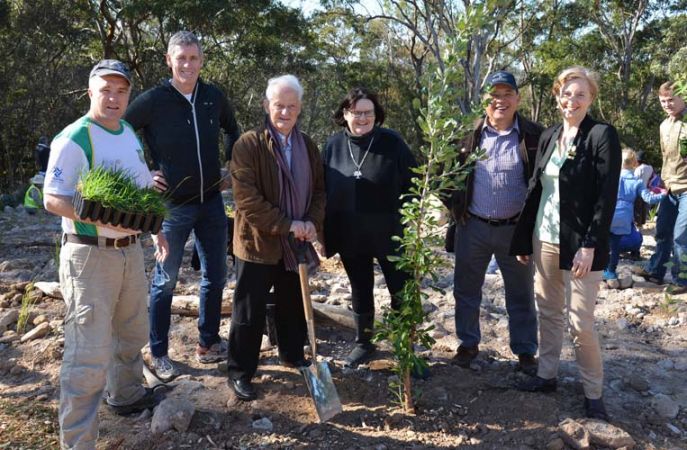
(102, 275)
(485, 214)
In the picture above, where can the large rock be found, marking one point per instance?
(172, 413)
(574, 434)
(665, 406)
(189, 305)
(606, 435)
(7, 318)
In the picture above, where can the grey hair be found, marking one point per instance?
(183, 38)
(289, 81)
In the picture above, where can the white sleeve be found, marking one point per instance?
(66, 164)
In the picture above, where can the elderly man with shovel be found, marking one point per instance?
(278, 182)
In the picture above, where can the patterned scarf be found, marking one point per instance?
(295, 191)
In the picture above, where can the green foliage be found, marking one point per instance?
(443, 126)
(116, 188)
(27, 302)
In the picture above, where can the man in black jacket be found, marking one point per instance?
(181, 120)
(486, 212)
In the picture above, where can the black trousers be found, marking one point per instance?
(360, 271)
(253, 284)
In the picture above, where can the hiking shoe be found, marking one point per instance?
(149, 400)
(163, 368)
(651, 278)
(216, 353)
(595, 409)
(527, 363)
(465, 355)
(361, 353)
(538, 384)
(609, 275)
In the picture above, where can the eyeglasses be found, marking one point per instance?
(361, 114)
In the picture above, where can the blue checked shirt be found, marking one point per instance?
(499, 186)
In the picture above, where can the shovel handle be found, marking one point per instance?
(307, 308)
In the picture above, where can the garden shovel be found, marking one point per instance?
(318, 378)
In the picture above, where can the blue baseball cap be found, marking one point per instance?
(500, 77)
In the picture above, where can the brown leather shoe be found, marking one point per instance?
(528, 364)
(465, 355)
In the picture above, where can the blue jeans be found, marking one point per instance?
(671, 234)
(476, 241)
(209, 224)
(614, 256)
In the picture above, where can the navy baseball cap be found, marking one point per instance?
(111, 67)
(500, 77)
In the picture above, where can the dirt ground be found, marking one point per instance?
(643, 335)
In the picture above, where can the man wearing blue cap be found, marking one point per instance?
(102, 275)
(486, 213)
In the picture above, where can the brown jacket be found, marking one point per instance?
(259, 222)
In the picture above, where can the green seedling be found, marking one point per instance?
(116, 188)
(27, 302)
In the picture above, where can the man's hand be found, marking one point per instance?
(159, 181)
(523, 259)
(298, 229)
(310, 232)
(161, 247)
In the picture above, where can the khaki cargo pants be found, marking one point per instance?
(105, 327)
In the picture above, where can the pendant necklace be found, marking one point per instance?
(358, 173)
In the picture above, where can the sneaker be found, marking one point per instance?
(609, 275)
(163, 368)
(149, 400)
(651, 278)
(675, 289)
(215, 353)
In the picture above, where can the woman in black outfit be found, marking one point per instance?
(367, 169)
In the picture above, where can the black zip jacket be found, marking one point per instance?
(458, 201)
(183, 137)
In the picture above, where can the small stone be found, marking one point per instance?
(625, 282)
(673, 321)
(574, 434)
(381, 364)
(638, 383)
(222, 367)
(266, 345)
(40, 331)
(49, 288)
(673, 429)
(621, 324)
(16, 370)
(555, 444)
(172, 413)
(606, 435)
(681, 366)
(665, 406)
(7, 318)
(39, 319)
(263, 423)
(665, 364)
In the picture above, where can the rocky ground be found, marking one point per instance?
(643, 332)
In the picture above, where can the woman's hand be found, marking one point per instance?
(582, 262)
(523, 259)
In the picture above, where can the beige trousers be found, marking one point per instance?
(105, 327)
(554, 290)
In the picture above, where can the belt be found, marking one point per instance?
(94, 240)
(496, 222)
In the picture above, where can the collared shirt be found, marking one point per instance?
(674, 172)
(285, 143)
(499, 186)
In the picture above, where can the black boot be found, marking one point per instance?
(364, 348)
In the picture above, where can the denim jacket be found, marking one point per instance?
(629, 188)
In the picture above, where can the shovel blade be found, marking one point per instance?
(318, 378)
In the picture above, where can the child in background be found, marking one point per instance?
(629, 189)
